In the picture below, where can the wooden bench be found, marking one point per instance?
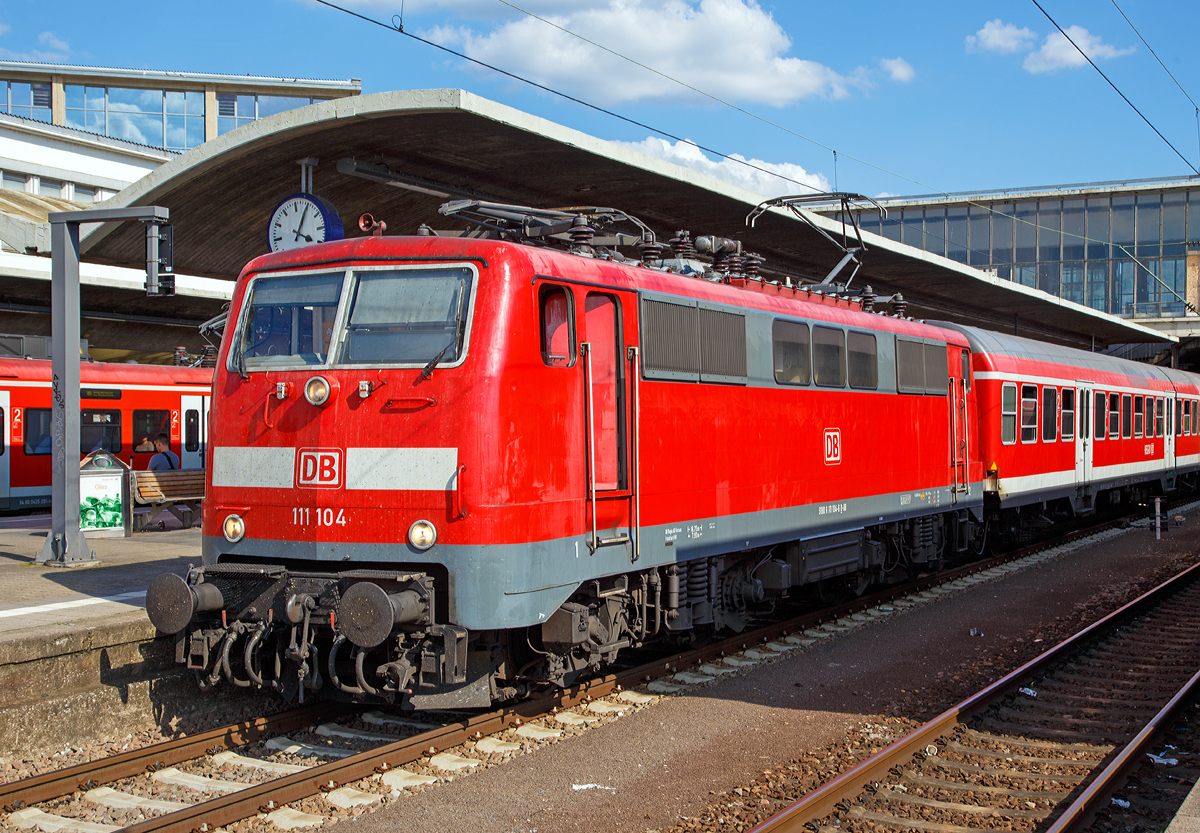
(178, 491)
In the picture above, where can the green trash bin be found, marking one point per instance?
(105, 501)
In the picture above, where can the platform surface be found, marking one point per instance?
(37, 597)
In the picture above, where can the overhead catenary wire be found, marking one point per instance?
(397, 26)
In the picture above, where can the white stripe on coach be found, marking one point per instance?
(254, 468)
(402, 469)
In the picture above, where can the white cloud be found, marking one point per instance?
(998, 36)
(732, 49)
(1057, 52)
(898, 69)
(49, 40)
(769, 181)
(57, 51)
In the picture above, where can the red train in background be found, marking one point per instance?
(122, 405)
(448, 471)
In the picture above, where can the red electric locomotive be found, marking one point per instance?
(123, 407)
(449, 470)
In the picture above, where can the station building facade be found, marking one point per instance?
(1131, 249)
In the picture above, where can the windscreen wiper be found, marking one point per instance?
(428, 371)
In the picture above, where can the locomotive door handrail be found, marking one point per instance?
(636, 440)
(953, 438)
(585, 347)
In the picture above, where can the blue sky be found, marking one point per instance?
(942, 96)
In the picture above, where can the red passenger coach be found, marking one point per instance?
(448, 471)
(123, 406)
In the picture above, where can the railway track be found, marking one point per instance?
(281, 770)
(1049, 747)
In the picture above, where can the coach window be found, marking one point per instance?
(864, 360)
(191, 430)
(1068, 413)
(1158, 417)
(1126, 416)
(829, 357)
(1138, 415)
(37, 431)
(1180, 411)
(1049, 414)
(1100, 415)
(1185, 424)
(790, 345)
(1029, 413)
(1114, 415)
(99, 431)
(558, 336)
(1008, 414)
(146, 426)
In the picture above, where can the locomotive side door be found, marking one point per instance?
(5, 451)
(1083, 435)
(959, 380)
(194, 437)
(607, 381)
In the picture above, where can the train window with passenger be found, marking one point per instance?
(1158, 417)
(147, 425)
(407, 316)
(1008, 414)
(1049, 414)
(38, 436)
(1126, 416)
(790, 345)
(1100, 414)
(864, 360)
(1068, 414)
(288, 321)
(99, 431)
(1138, 415)
(1114, 415)
(829, 357)
(1029, 413)
(557, 326)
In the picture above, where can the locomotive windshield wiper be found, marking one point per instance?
(428, 370)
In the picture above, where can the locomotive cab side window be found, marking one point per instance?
(1126, 416)
(1029, 413)
(1008, 414)
(1138, 415)
(1049, 414)
(1068, 414)
(966, 370)
(864, 360)
(38, 436)
(1100, 414)
(829, 357)
(557, 326)
(790, 346)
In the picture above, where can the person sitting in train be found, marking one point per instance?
(165, 459)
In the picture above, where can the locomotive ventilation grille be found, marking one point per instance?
(692, 341)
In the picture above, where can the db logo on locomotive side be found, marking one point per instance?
(320, 468)
(833, 446)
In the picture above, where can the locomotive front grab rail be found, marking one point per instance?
(586, 348)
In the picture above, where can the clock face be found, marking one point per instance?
(302, 220)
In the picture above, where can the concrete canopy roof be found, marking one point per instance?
(221, 193)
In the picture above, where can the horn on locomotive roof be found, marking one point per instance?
(846, 199)
(369, 224)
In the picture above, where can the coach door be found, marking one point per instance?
(1083, 435)
(194, 436)
(5, 450)
(608, 383)
(1169, 439)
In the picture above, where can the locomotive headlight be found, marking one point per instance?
(317, 390)
(422, 535)
(235, 528)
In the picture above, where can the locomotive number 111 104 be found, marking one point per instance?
(303, 515)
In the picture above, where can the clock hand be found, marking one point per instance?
(300, 225)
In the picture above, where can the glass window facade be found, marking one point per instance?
(170, 119)
(1125, 254)
(32, 101)
(235, 110)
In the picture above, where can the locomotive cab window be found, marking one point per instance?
(1100, 413)
(790, 346)
(1049, 414)
(829, 357)
(38, 436)
(1126, 416)
(1029, 413)
(99, 431)
(1068, 414)
(1138, 415)
(1008, 414)
(1114, 415)
(864, 360)
(403, 316)
(288, 321)
(557, 326)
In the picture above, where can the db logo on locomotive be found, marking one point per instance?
(319, 468)
(833, 446)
